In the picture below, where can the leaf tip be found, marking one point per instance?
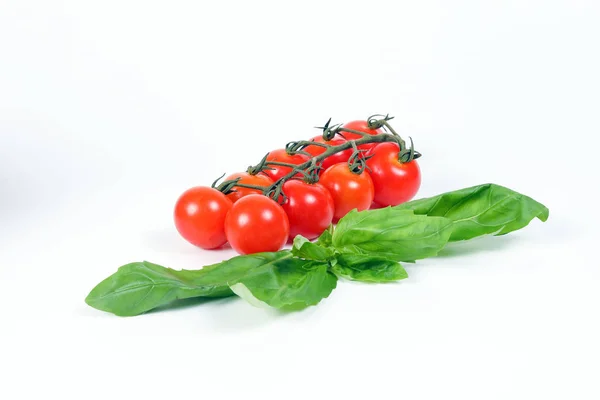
(545, 214)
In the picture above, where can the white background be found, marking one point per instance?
(109, 110)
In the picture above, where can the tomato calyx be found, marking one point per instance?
(311, 174)
(378, 121)
(329, 132)
(358, 160)
(227, 187)
(260, 167)
(406, 155)
(292, 148)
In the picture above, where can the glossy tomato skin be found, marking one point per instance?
(259, 179)
(280, 155)
(309, 208)
(361, 126)
(342, 156)
(256, 224)
(200, 214)
(395, 182)
(349, 190)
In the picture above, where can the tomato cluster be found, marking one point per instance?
(252, 222)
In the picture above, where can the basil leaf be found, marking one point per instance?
(481, 210)
(304, 248)
(142, 286)
(230, 271)
(325, 239)
(288, 284)
(394, 234)
(368, 268)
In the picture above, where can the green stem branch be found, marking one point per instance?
(367, 139)
(309, 166)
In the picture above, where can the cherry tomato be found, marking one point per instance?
(361, 126)
(200, 216)
(280, 155)
(342, 156)
(349, 190)
(309, 208)
(395, 182)
(256, 224)
(259, 179)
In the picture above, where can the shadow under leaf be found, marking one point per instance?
(189, 303)
(479, 245)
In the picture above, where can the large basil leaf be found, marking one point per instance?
(287, 284)
(480, 210)
(363, 268)
(391, 233)
(142, 286)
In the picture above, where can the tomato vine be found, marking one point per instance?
(310, 168)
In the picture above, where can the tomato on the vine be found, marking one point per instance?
(256, 224)
(361, 126)
(309, 208)
(200, 216)
(349, 190)
(395, 182)
(259, 179)
(281, 155)
(339, 157)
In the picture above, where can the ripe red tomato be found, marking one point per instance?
(342, 156)
(256, 224)
(259, 179)
(349, 190)
(309, 208)
(200, 216)
(395, 182)
(361, 126)
(280, 155)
